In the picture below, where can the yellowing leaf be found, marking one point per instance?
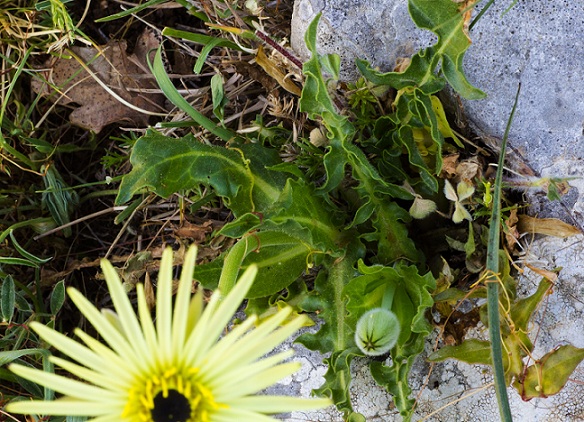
(443, 125)
(421, 208)
(548, 375)
(244, 33)
(460, 213)
(464, 190)
(470, 351)
(449, 191)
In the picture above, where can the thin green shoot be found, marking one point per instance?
(131, 11)
(165, 84)
(493, 281)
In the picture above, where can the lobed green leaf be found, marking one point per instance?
(411, 300)
(280, 259)
(446, 19)
(169, 165)
(335, 336)
(304, 214)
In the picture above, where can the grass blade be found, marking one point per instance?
(165, 84)
(8, 356)
(199, 38)
(7, 300)
(492, 281)
(130, 11)
(27, 255)
(4, 144)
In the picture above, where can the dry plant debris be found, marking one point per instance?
(546, 226)
(125, 75)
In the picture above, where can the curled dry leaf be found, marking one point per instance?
(449, 164)
(546, 226)
(274, 70)
(468, 169)
(550, 275)
(421, 208)
(126, 75)
(318, 138)
(511, 232)
(466, 8)
(401, 64)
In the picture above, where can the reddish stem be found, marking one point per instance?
(280, 49)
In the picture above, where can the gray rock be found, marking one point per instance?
(378, 31)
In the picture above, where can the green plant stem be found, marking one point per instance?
(128, 12)
(492, 281)
(3, 143)
(341, 272)
(233, 262)
(5, 233)
(39, 302)
(481, 13)
(387, 300)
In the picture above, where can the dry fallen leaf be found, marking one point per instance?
(511, 233)
(149, 292)
(273, 69)
(550, 275)
(466, 8)
(468, 169)
(197, 232)
(546, 226)
(449, 163)
(126, 75)
(401, 64)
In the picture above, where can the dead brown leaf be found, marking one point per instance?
(149, 292)
(197, 232)
(274, 71)
(468, 169)
(449, 164)
(401, 64)
(50, 277)
(511, 232)
(550, 275)
(466, 7)
(126, 75)
(546, 226)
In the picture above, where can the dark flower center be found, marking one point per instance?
(173, 408)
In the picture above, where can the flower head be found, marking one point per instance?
(377, 331)
(176, 368)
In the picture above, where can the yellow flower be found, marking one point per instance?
(177, 368)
